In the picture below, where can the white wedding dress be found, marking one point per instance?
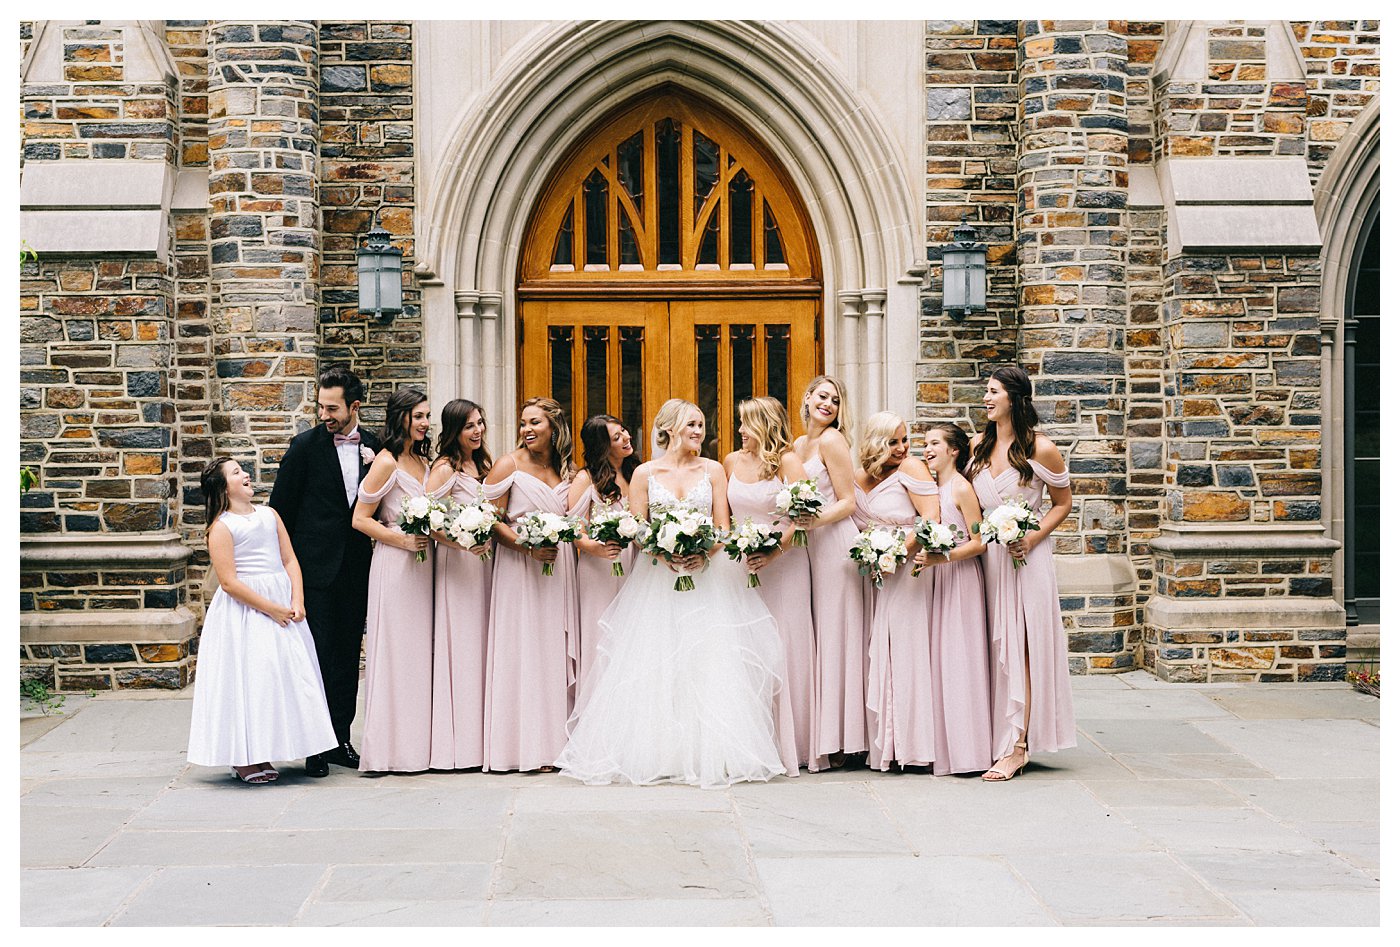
(684, 685)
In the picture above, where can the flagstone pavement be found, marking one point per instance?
(1224, 804)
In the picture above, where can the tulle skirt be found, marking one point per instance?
(684, 684)
(257, 695)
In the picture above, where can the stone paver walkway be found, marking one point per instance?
(1183, 804)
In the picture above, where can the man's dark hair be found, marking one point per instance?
(340, 376)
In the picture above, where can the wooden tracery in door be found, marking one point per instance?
(668, 257)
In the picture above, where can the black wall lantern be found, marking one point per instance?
(381, 276)
(964, 273)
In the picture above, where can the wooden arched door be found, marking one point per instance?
(669, 257)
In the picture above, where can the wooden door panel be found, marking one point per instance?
(627, 356)
(596, 357)
(723, 351)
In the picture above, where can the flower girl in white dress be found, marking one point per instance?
(258, 694)
(684, 684)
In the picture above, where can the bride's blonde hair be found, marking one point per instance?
(768, 421)
(669, 420)
(875, 435)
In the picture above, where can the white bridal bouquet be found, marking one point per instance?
(749, 538)
(614, 526)
(674, 533)
(1007, 523)
(420, 515)
(469, 524)
(936, 537)
(539, 528)
(796, 500)
(879, 551)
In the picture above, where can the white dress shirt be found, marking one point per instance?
(349, 455)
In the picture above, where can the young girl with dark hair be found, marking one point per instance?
(461, 595)
(258, 694)
(399, 622)
(961, 682)
(1031, 704)
(602, 484)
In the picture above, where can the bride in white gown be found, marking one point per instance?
(684, 684)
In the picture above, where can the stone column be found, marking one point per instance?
(103, 572)
(264, 233)
(1243, 569)
(1072, 176)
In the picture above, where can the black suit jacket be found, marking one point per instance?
(309, 495)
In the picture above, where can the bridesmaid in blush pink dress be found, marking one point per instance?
(608, 462)
(895, 490)
(461, 595)
(399, 623)
(1032, 708)
(961, 680)
(838, 592)
(532, 631)
(756, 473)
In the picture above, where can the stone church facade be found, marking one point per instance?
(1181, 221)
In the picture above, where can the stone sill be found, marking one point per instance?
(1215, 541)
(138, 626)
(1279, 613)
(149, 551)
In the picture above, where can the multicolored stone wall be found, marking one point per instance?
(264, 228)
(1145, 353)
(970, 76)
(1342, 59)
(1239, 110)
(192, 367)
(1243, 585)
(367, 177)
(1072, 251)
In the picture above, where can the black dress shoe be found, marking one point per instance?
(343, 755)
(316, 766)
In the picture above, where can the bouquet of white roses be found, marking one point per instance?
(750, 538)
(796, 500)
(469, 524)
(419, 516)
(879, 551)
(614, 526)
(937, 537)
(538, 529)
(675, 533)
(1007, 523)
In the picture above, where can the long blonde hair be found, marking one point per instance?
(875, 435)
(768, 421)
(669, 419)
(561, 439)
(840, 422)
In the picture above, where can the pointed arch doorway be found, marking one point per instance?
(669, 256)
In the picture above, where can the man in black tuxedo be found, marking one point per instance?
(315, 494)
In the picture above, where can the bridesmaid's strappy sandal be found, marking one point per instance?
(995, 775)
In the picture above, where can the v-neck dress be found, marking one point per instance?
(1023, 616)
(899, 692)
(786, 588)
(398, 644)
(531, 640)
(838, 620)
(961, 679)
(597, 586)
(461, 606)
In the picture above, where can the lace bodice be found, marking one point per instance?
(699, 497)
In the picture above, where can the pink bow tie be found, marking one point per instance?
(352, 438)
